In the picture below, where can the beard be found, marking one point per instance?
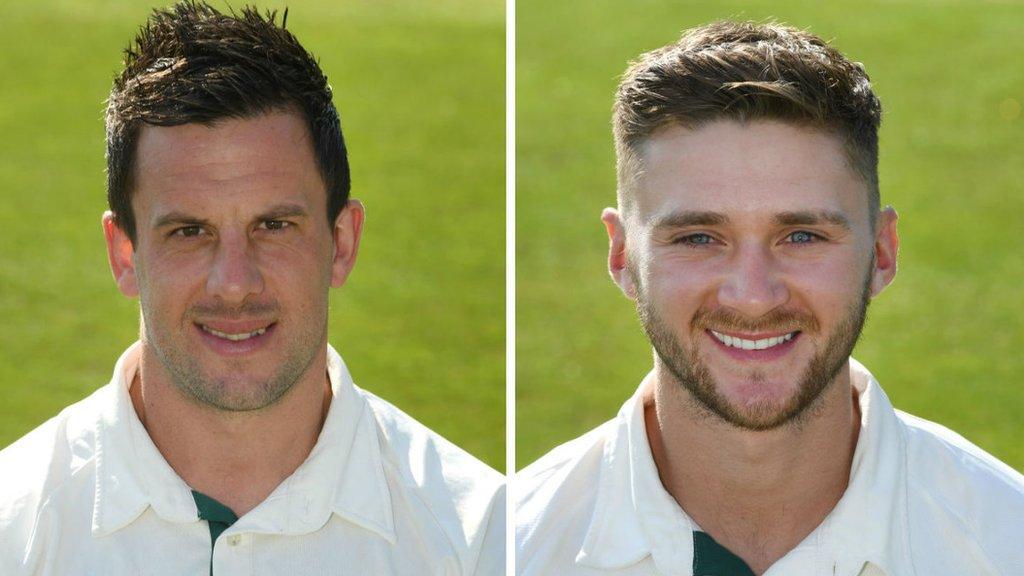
(230, 389)
(691, 373)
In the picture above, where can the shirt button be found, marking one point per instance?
(234, 540)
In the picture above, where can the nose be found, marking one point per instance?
(234, 273)
(753, 285)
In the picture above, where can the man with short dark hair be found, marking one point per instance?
(231, 439)
(750, 234)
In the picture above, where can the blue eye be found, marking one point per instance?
(698, 239)
(803, 237)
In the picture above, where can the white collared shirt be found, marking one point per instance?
(921, 500)
(88, 493)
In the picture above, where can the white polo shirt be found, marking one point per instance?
(88, 493)
(922, 500)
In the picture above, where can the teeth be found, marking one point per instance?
(762, 344)
(233, 337)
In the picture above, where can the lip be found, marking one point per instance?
(755, 335)
(235, 326)
(767, 355)
(225, 347)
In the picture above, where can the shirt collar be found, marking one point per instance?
(344, 473)
(635, 516)
(131, 474)
(869, 523)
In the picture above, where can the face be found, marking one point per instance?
(233, 257)
(750, 252)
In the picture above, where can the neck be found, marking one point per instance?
(237, 458)
(758, 493)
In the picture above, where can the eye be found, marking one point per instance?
(803, 237)
(276, 225)
(697, 239)
(187, 231)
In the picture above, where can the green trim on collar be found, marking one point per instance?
(712, 559)
(217, 515)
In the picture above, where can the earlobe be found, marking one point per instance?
(348, 229)
(121, 256)
(617, 260)
(886, 247)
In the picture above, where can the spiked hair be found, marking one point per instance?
(190, 63)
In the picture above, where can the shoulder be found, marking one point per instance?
(435, 459)
(575, 463)
(465, 497)
(555, 495)
(957, 491)
(39, 467)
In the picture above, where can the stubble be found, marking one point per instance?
(693, 374)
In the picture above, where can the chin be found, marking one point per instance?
(759, 396)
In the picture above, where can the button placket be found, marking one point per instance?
(233, 557)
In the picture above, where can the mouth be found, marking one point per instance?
(755, 346)
(234, 338)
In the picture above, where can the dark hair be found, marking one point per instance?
(191, 63)
(747, 71)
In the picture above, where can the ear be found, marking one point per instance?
(617, 252)
(887, 243)
(348, 228)
(121, 255)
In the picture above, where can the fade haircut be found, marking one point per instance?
(192, 64)
(746, 71)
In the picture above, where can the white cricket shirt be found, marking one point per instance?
(922, 500)
(88, 493)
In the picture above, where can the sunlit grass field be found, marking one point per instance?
(420, 87)
(944, 340)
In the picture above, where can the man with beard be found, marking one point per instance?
(231, 439)
(750, 233)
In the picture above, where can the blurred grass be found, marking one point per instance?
(944, 340)
(420, 88)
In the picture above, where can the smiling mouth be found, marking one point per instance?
(235, 337)
(760, 344)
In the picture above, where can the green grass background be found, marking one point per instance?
(945, 340)
(421, 91)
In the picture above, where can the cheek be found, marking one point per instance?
(295, 268)
(170, 278)
(297, 271)
(825, 284)
(676, 287)
(828, 286)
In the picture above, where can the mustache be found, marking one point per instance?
(778, 320)
(245, 310)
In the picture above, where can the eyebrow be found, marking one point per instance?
(282, 211)
(273, 213)
(178, 218)
(687, 218)
(812, 218)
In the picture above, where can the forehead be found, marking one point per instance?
(754, 169)
(233, 163)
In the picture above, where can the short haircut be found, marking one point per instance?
(192, 64)
(746, 71)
